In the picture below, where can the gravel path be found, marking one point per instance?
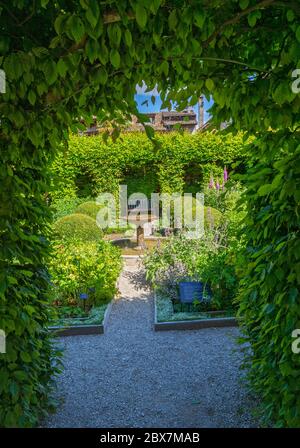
(134, 377)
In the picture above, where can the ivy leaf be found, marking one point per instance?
(32, 97)
(58, 24)
(25, 356)
(103, 54)
(84, 4)
(141, 16)
(92, 14)
(18, 119)
(61, 68)
(34, 133)
(209, 83)
(244, 4)
(115, 34)
(290, 15)
(154, 5)
(92, 50)
(41, 88)
(298, 33)
(50, 71)
(115, 58)
(164, 68)
(77, 28)
(172, 20)
(253, 17)
(149, 131)
(265, 189)
(128, 38)
(199, 18)
(101, 76)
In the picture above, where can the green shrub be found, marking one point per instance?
(91, 268)
(270, 287)
(65, 206)
(212, 259)
(212, 217)
(224, 198)
(89, 208)
(101, 166)
(194, 259)
(77, 227)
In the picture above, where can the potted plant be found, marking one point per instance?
(190, 290)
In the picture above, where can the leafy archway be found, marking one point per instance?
(70, 59)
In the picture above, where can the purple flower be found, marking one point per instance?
(211, 183)
(225, 175)
(217, 185)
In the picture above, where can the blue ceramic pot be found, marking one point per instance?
(190, 291)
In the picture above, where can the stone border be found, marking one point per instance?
(131, 257)
(192, 324)
(77, 330)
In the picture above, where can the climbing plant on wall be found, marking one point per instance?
(69, 59)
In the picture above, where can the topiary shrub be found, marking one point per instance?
(77, 227)
(89, 208)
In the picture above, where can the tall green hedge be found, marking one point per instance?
(90, 165)
(270, 292)
(28, 367)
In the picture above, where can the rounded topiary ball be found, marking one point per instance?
(77, 227)
(89, 208)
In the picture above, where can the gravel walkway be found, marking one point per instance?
(134, 377)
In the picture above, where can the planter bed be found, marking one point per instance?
(165, 319)
(95, 323)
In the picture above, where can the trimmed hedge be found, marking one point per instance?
(89, 208)
(177, 163)
(78, 227)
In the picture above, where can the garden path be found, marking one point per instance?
(134, 377)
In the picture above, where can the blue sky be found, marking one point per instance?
(141, 97)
